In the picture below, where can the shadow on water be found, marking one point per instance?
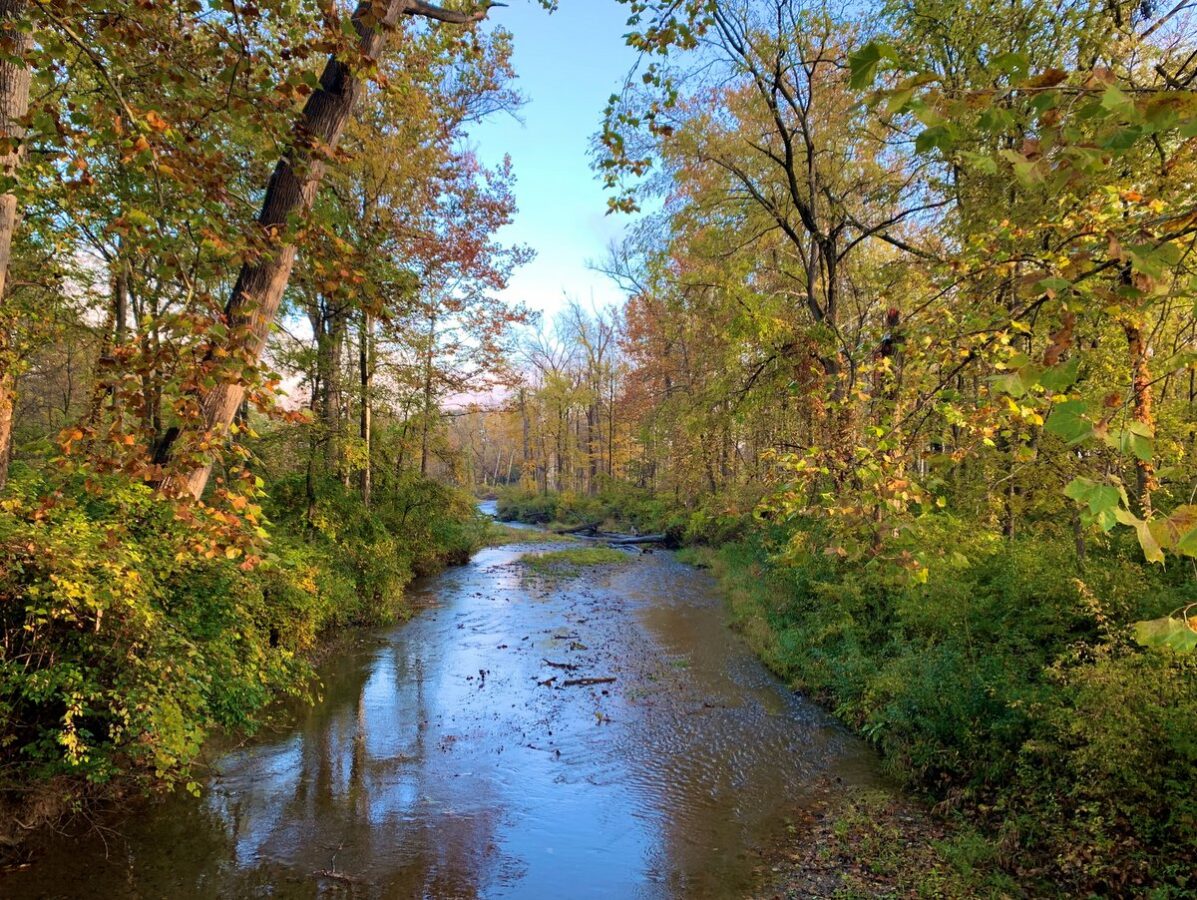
(449, 759)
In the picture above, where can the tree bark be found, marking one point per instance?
(426, 418)
(255, 299)
(1141, 409)
(14, 106)
(527, 474)
(365, 422)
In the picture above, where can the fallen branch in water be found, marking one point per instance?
(582, 682)
(621, 540)
(567, 666)
(579, 529)
(338, 876)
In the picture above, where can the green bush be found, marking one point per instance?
(1005, 682)
(127, 635)
(123, 645)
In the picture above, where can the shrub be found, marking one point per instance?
(1005, 682)
(126, 636)
(122, 645)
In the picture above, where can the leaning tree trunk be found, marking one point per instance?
(255, 299)
(14, 105)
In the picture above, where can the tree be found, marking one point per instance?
(15, 40)
(255, 298)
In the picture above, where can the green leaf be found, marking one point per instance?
(1151, 547)
(1079, 489)
(864, 63)
(1052, 284)
(1132, 440)
(1106, 519)
(1060, 378)
(1122, 139)
(1011, 63)
(1026, 171)
(1170, 631)
(1102, 498)
(996, 119)
(937, 137)
(1067, 420)
(981, 162)
(1118, 103)
(1008, 383)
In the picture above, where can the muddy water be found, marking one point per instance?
(449, 759)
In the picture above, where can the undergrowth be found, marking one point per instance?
(1007, 688)
(124, 644)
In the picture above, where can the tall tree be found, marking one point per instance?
(258, 292)
(16, 37)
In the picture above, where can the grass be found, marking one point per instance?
(875, 844)
(568, 563)
(500, 535)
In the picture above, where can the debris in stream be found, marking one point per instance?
(338, 876)
(584, 682)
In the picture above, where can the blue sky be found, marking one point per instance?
(568, 64)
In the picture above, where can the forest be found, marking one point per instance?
(908, 360)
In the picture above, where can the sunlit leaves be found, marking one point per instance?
(865, 63)
(1069, 421)
(1176, 632)
(1102, 498)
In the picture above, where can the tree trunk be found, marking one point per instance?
(611, 432)
(527, 476)
(120, 301)
(330, 339)
(365, 422)
(426, 419)
(254, 302)
(592, 448)
(1141, 409)
(14, 105)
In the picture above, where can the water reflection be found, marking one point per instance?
(450, 760)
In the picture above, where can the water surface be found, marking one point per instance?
(449, 759)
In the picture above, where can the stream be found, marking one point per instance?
(449, 759)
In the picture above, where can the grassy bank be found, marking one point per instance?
(571, 562)
(1006, 687)
(126, 641)
(1008, 690)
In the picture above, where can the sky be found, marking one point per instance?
(568, 65)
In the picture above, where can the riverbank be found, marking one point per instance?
(125, 648)
(1005, 689)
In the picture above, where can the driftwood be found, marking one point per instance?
(338, 876)
(624, 540)
(589, 528)
(616, 538)
(569, 667)
(582, 682)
